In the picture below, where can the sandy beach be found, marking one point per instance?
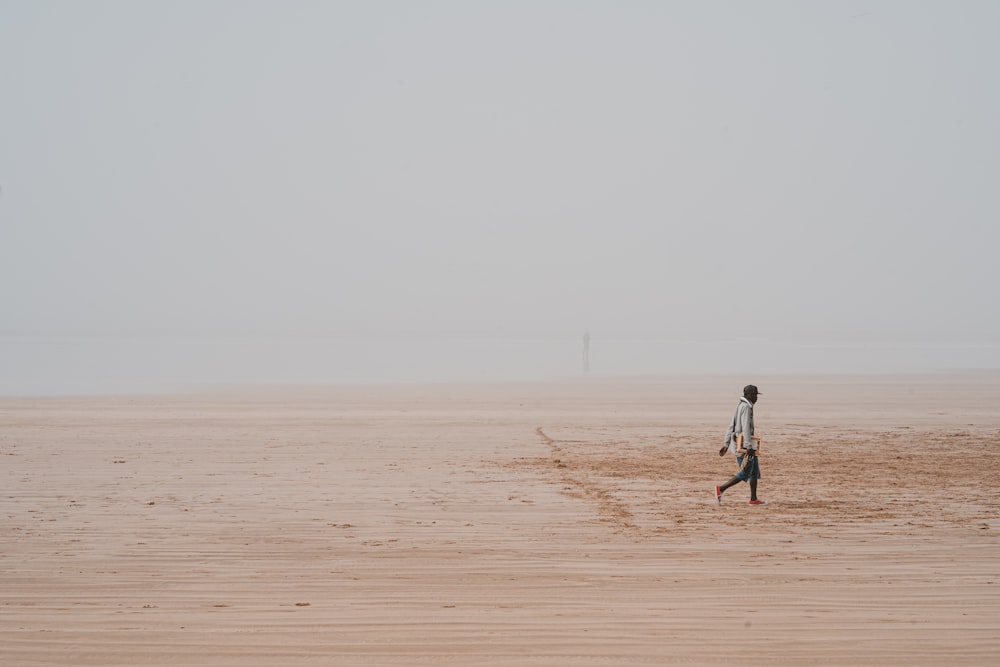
(518, 524)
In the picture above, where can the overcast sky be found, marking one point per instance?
(687, 170)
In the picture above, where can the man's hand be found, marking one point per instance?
(725, 448)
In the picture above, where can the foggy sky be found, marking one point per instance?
(684, 170)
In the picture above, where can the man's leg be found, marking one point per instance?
(753, 489)
(733, 482)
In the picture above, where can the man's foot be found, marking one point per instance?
(718, 494)
(758, 502)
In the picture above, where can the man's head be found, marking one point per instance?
(750, 393)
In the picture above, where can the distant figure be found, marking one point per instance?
(586, 352)
(741, 441)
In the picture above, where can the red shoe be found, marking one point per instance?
(758, 502)
(718, 495)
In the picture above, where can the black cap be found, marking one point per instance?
(751, 389)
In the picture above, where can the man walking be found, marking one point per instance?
(741, 441)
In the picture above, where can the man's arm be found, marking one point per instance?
(744, 427)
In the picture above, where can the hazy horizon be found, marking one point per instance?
(799, 185)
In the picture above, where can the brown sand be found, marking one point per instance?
(504, 525)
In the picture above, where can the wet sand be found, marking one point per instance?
(532, 524)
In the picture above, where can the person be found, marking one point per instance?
(741, 441)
